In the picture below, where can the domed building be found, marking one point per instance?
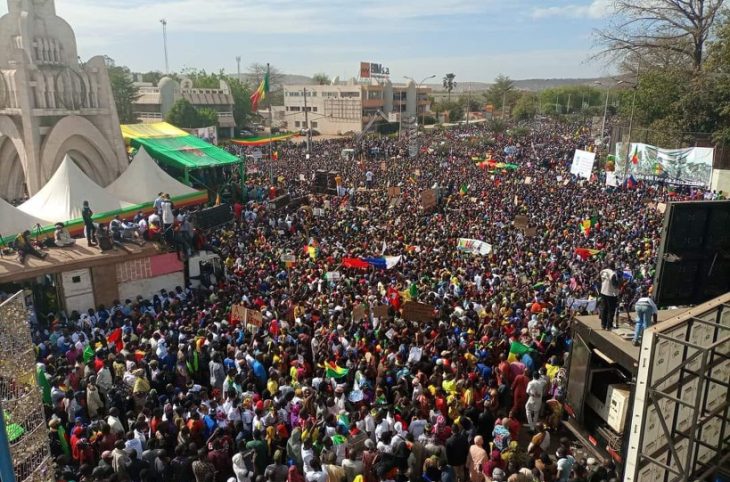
(51, 104)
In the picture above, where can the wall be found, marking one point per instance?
(148, 286)
(720, 180)
(145, 276)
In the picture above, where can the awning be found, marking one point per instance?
(262, 140)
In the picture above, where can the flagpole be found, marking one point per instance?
(271, 127)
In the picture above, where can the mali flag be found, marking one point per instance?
(635, 157)
(260, 93)
(516, 350)
(334, 371)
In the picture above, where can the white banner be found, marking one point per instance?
(582, 163)
(474, 246)
(691, 165)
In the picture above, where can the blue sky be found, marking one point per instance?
(475, 39)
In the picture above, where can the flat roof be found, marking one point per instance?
(617, 344)
(78, 256)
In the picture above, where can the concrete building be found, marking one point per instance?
(51, 104)
(154, 102)
(338, 108)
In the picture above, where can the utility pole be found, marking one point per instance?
(567, 107)
(306, 123)
(504, 105)
(468, 102)
(557, 97)
(164, 44)
(238, 67)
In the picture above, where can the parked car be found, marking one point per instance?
(245, 133)
(315, 132)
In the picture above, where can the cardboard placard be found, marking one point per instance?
(428, 198)
(381, 311)
(238, 313)
(528, 180)
(254, 319)
(521, 221)
(415, 311)
(530, 232)
(333, 276)
(288, 258)
(661, 207)
(394, 192)
(359, 312)
(318, 212)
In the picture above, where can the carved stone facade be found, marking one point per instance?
(51, 104)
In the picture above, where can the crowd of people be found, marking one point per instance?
(338, 383)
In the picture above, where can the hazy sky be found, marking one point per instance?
(475, 39)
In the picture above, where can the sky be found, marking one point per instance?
(474, 39)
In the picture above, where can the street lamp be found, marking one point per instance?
(605, 110)
(418, 86)
(164, 43)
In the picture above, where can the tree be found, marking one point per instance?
(502, 92)
(241, 101)
(184, 114)
(526, 106)
(681, 27)
(153, 77)
(124, 91)
(454, 108)
(449, 83)
(321, 78)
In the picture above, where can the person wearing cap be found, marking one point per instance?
(61, 236)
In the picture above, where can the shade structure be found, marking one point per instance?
(144, 180)
(61, 199)
(176, 148)
(14, 221)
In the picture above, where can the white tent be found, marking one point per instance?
(61, 199)
(144, 180)
(14, 221)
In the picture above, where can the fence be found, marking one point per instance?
(24, 451)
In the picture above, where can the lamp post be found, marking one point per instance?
(164, 43)
(238, 67)
(631, 121)
(605, 110)
(418, 86)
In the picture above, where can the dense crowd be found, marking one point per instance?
(335, 385)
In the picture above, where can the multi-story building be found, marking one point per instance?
(154, 102)
(338, 108)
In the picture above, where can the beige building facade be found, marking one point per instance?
(51, 104)
(340, 108)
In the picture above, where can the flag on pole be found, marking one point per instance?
(635, 156)
(88, 354)
(260, 93)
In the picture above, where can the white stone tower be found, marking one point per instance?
(51, 104)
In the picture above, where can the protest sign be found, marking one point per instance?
(332, 276)
(394, 192)
(288, 258)
(611, 180)
(238, 313)
(528, 180)
(582, 163)
(474, 246)
(530, 232)
(521, 221)
(381, 311)
(359, 312)
(254, 320)
(415, 311)
(318, 212)
(661, 207)
(428, 198)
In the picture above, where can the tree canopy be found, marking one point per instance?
(321, 78)
(184, 114)
(124, 91)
